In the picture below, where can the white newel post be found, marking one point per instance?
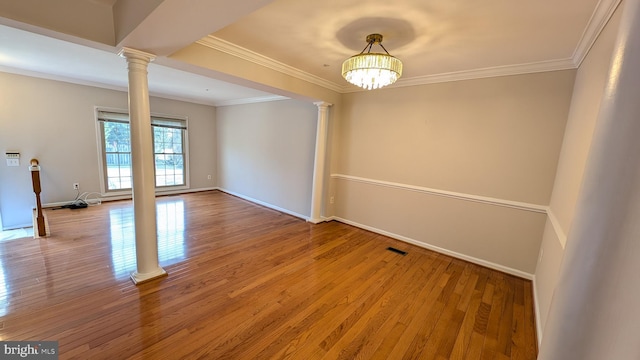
(142, 166)
(319, 162)
(594, 312)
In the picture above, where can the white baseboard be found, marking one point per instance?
(16, 227)
(106, 197)
(265, 204)
(440, 250)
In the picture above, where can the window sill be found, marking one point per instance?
(159, 191)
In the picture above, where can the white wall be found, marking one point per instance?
(54, 122)
(585, 104)
(266, 153)
(496, 138)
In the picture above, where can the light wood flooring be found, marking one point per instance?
(246, 282)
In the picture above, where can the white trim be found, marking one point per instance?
(61, 78)
(265, 204)
(536, 308)
(248, 55)
(557, 228)
(440, 250)
(127, 52)
(226, 47)
(319, 220)
(100, 144)
(16, 227)
(599, 19)
(450, 194)
(185, 191)
(139, 278)
(562, 239)
(252, 100)
(496, 71)
(127, 196)
(123, 88)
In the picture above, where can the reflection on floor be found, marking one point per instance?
(170, 227)
(102, 232)
(16, 234)
(247, 282)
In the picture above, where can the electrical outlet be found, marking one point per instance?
(331, 200)
(208, 177)
(76, 186)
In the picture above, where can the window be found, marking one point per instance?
(169, 148)
(168, 151)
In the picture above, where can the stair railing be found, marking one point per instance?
(35, 180)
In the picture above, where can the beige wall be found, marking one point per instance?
(587, 95)
(497, 138)
(266, 153)
(55, 122)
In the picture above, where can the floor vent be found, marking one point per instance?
(403, 253)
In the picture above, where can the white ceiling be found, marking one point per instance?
(430, 37)
(436, 40)
(27, 53)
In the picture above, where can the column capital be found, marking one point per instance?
(129, 53)
(322, 104)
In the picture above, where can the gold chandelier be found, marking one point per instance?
(372, 70)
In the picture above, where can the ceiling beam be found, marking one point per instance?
(171, 25)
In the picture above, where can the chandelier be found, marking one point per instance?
(372, 70)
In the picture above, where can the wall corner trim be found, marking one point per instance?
(599, 19)
(536, 309)
(557, 228)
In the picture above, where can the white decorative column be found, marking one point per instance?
(142, 166)
(319, 162)
(594, 312)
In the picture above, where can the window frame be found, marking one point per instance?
(104, 190)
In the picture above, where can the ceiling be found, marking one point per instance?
(436, 40)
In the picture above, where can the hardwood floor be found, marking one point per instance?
(246, 282)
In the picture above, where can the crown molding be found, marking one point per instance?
(599, 19)
(506, 70)
(248, 55)
(123, 88)
(601, 15)
(61, 78)
(252, 100)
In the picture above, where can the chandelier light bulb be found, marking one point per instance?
(372, 70)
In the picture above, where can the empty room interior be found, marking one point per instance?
(243, 180)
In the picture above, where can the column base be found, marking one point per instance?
(139, 278)
(316, 221)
